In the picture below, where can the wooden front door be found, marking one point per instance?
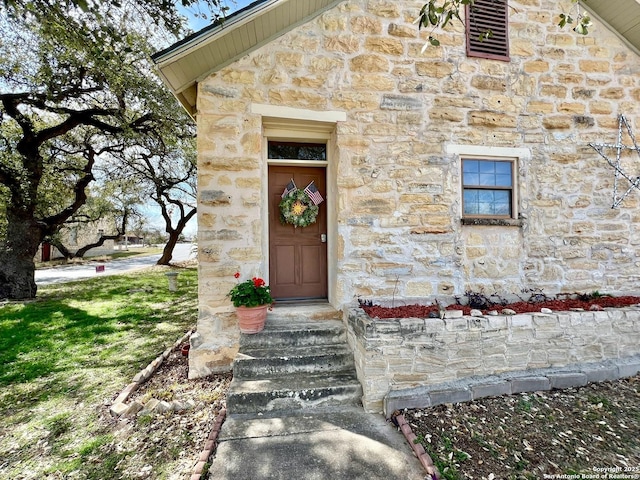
(297, 255)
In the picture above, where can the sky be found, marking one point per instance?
(196, 24)
(199, 23)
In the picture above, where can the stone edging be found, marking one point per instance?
(120, 407)
(209, 446)
(510, 383)
(519, 382)
(417, 448)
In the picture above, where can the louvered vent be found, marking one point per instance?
(487, 29)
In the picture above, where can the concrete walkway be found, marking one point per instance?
(329, 444)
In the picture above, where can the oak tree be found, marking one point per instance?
(77, 91)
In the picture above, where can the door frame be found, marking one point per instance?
(303, 133)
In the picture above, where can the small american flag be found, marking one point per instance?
(314, 194)
(291, 187)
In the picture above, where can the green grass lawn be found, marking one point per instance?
(70, 351)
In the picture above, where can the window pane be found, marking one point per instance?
(503, 180)
(502, 209)
(471, 196)
(487, 167)
(486, 196)
(471, 179)
(470, 166)
(487, 202)
(470, 171)
(485, 209)
(495, 173)
(502, 196)
(297, 151)
(502, 205)
(471, 202)
(503, 168)
(487, 179)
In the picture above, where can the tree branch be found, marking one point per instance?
(80, 195)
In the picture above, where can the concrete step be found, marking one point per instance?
(293, 392)
(305, 311)
(300, 360)
(255, 363)
(284, 331)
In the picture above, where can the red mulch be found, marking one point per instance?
(558, 305)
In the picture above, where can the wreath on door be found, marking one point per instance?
(297, 209)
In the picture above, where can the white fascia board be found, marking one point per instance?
(211, 35)
(609, 27)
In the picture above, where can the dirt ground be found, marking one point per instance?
(526, 436)
(590, 432)
(173, 440)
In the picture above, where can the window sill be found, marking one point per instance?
(492, 222)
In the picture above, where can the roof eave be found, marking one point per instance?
(599, 10)
(184, 54)
(211, 33)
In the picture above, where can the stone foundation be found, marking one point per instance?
(214, 345)
(401, 354)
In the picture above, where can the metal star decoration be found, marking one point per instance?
(619, 148)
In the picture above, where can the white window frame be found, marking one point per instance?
(519, 156)
(512, 188)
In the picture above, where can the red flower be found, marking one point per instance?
(258, 282)
(237, 274)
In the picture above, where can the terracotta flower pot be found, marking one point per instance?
(251, 319)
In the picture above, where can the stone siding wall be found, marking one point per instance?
(398, 187)
(398, 354)
(395, 170)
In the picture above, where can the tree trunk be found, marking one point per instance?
(174, 235)
(167, 253)
(17, 266)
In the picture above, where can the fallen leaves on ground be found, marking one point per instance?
(526, 436)
(173, 440)
(520, 436)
